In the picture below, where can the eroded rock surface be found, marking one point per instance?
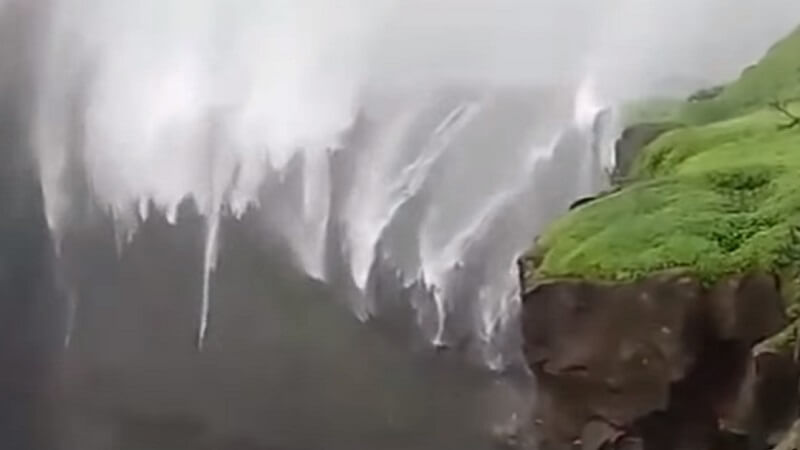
(633, 140)
(661, 363)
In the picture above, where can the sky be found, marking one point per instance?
(628, 44)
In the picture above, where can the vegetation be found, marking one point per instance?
(717, 196)
(785, 107)
(774, 80)
(775, 77)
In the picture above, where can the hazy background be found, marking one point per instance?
(295, 73)
(626, 44)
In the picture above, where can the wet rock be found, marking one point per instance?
(586, 200)
(706, 94)
(599, 434)
(514, 434)
(738, 312)
(766, 403)
(658, 362)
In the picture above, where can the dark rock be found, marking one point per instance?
(630, 144)
(629, 443)
(586, 200)
(706, 94)
(658, 361)
(598, 434)
(737, 308)
(582, 201)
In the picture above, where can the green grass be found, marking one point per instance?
(714, 199)
(717, 196)
(776, 76)
(666, 154)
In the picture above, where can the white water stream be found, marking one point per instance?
(450, 118)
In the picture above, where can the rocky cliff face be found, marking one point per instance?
(633, 140)
(661, 363)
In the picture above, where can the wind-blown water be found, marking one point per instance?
(426, 139)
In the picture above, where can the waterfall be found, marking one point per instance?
(367, 148)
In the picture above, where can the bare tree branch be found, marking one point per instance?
(782, 106)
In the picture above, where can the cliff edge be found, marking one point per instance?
(665, 314)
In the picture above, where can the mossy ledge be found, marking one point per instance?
(713, 198)
(706, 203)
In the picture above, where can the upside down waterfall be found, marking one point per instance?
(261, 213)
(295, 112)
(402, 181)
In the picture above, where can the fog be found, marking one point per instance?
(294, 73)
(517, 41)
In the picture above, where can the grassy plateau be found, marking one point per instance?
(718, 195)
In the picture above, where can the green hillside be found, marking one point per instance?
(719, 195)
(776, 76)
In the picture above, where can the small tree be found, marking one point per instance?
(784, 107)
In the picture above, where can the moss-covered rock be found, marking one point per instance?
(631, 144)
(715, 208)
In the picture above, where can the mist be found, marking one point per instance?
(619, 41)
(154, 102)
(293, 74)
